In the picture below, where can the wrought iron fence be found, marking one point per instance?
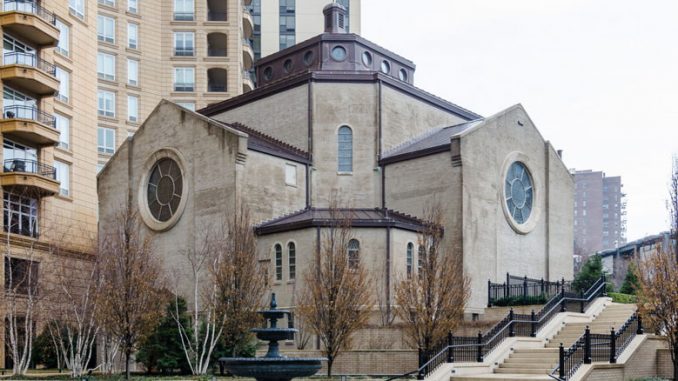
(29, 7)
(29, 166)
(29, 112)
(28, 59)
(523, 290)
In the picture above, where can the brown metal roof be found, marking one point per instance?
(260, 142)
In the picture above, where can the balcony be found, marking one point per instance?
(217, 80)
(29, 124)
(28, 72)
(247, 54)
(29, 177)
(247, 83)
(29, 22)
(247, 23)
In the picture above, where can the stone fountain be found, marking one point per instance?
(273, 366)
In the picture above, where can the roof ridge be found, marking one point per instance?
(416, 138)
(267, 138)
(283, 216)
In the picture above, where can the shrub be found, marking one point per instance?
(619, 297)
(162, 350)
(521, 301)
(631, 283)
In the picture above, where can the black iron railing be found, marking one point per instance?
(184, 52)
(29, 112)
(596, 347)
(217, 16)
(29, 166)
(216, 52)
(184, 16)
(216, 88)
(477, 347)
(523, 290)
(29, 7)
(28, 59)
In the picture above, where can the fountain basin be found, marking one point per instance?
(272, 369)
(274, 334)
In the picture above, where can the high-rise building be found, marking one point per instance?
(599, 212)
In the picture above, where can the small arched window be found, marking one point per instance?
(353, 254)
(410, 255)
(292, 259)
(345, 149)
(278, 262)
(421, 260)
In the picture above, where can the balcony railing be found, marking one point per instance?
(247, 42)
(216, 52)
(28, 59)
(29, 166)
(29, 7)
(29, 112)
(217, 16)
(184, 16)
(184, 52)
(184, 86)
(216, 87)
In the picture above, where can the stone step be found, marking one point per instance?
(534, 365)
(530, 359)
(523, 370)
(531, 350)
(505, 377)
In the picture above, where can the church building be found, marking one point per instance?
(337, 117)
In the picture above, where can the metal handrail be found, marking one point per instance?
(29, 166)
(32, 8)
(28, 59)
(29, 112)
(184, 16)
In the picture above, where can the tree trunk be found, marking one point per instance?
(675, 362)
(330, 360)
(128, 355)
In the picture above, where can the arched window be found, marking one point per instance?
(353, 254)
(278, 262)
(292, 259)
(410, 254)
(345, 149)
(421, 260)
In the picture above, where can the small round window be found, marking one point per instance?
(268, 73)
(367, 59)
(165, 185)
(385, 67)
(519, 192)
(287, 65)
(308, 58)
(402, 74)
(338, 53)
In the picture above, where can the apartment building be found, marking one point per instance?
(599, 212)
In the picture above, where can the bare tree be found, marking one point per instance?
(432, 303)
(658, 275)
(239, 279)
(131, 282)
(336, 300)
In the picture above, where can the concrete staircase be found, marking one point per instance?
(537, 363)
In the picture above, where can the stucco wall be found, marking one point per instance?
(560, 218)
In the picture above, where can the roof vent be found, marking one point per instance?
(335, 18)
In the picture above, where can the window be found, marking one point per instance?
(353, 254)
(345, 149)
(410, 255)
(183, 10)
(292, 259)
(106, 140)
(77, 8)
(100, 167)
(106, 103)
(63, 125)
(21, 276)
(110, 3)
(133, 72)
(184, 79)
(63, 172)
(184, 43)
(421, 260)
(106, 66)
(106, 29)
(278, 263)
(64, 78)
(132, 108)
(132, 35)
(63, 46)
(287, 23)
(187, 105)
(290, 174)
(133, 6)
(20, 215)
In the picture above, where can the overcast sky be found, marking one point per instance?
(598, 77)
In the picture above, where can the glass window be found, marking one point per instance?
(106, 140)
(20, 214)
(132, 108)
(421, 259)
(133, 6)
(100, 167)
(132, 35)
(278, 263)
(353, 254)
(184, 43)
(110, 3)
(106, 29)
(518, 192)
(290, 174)
(292, 259)
(77, 8)
(63, 46)
(345, 149)
(12, 150)
(106, 66)
(410, 255)
(187, 105)
(184, 79)
(63, 171)
(64, 78)
(21, 276)
(106, 103)
(132, 72)
(63, 125)
(184, 10)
